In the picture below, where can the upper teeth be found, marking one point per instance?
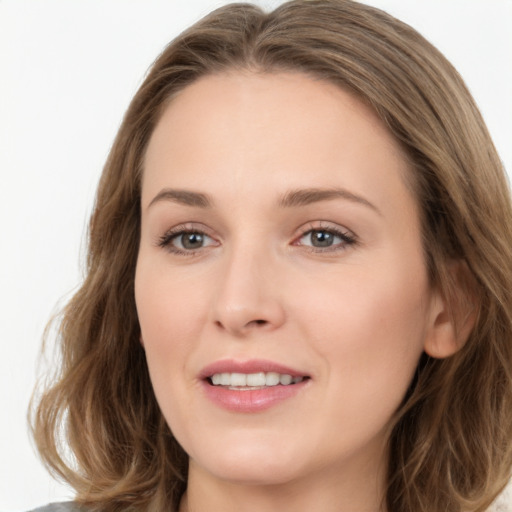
(253, 379)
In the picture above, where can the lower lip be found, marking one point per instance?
(251, 400)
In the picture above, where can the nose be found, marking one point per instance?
(249, 294)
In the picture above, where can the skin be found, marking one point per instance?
(354, 317)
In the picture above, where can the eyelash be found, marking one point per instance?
(165, 241)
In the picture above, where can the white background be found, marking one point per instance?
(67, 72)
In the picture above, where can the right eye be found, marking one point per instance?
(185, 241)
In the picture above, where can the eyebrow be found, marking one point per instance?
(185, 197)
(292, 199)
(303, 197)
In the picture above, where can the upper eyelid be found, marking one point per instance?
(325, 226)
(192, 227)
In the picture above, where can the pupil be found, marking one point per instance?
(192, 240)
(321, 238)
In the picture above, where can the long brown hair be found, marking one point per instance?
(451, 447)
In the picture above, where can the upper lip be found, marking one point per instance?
(249, 366)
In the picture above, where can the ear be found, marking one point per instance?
(454, 311)
(141, 339)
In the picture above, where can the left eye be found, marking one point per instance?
(325, 238)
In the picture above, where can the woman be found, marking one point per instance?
(297, 285)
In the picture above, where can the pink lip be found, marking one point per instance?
(254, 400)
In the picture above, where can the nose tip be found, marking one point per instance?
(248, 299)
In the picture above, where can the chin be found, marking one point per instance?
(254, 474)
(255, 463)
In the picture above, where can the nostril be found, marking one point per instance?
(252, 323)
(257, 323)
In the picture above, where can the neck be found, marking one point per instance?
(351, 491)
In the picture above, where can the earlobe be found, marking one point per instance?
(454, 312)
(141, 339)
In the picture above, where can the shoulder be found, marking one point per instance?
(67, 506)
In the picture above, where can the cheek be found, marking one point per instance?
(168, 313)
(375, 304)
(168, 316)
(369, 329)
(165, 303)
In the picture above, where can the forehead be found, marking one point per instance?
(241, 131)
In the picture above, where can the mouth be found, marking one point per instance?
(252, 381)
(251, 386)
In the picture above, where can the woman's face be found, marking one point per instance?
(281, 287)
